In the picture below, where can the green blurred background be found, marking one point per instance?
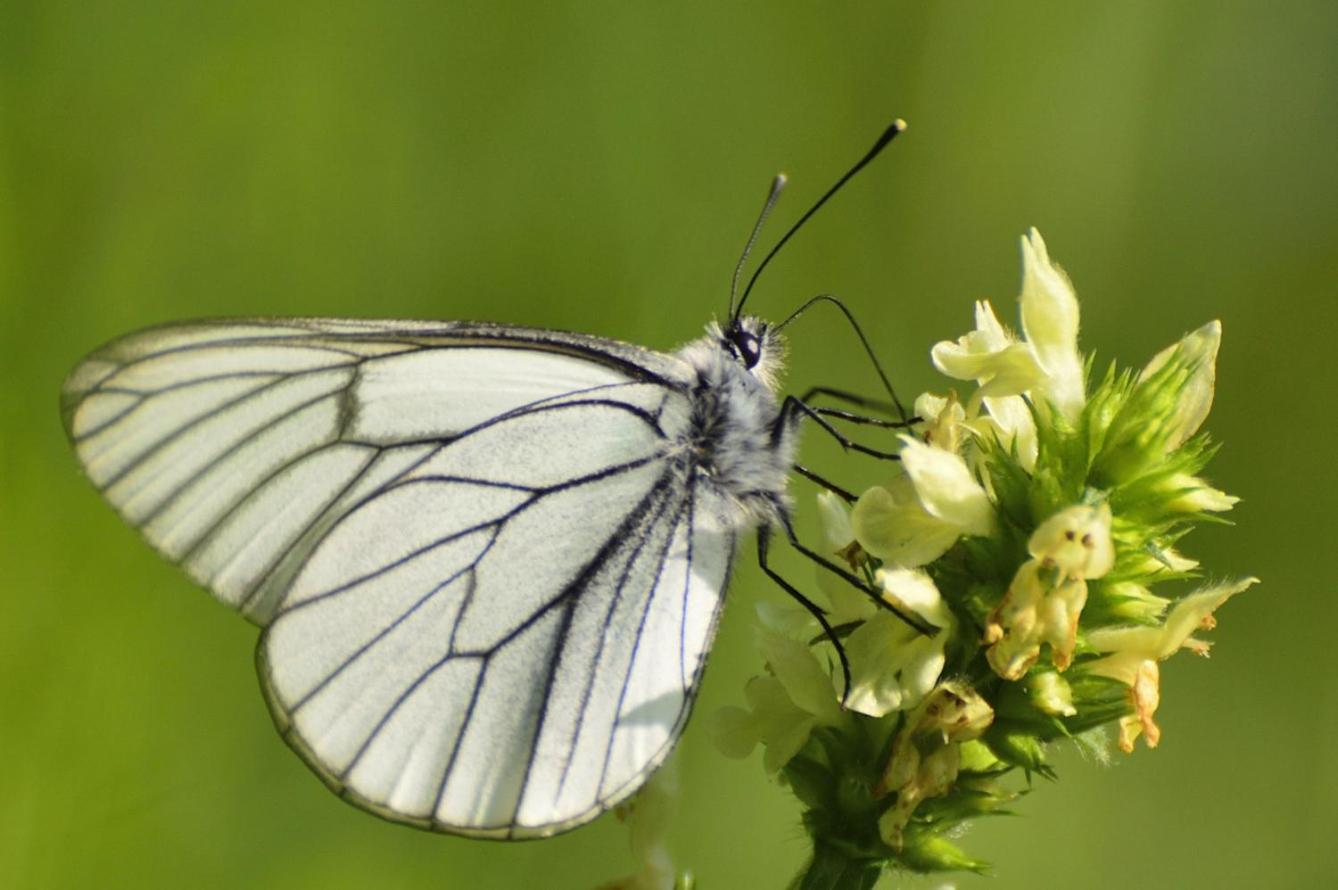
(596, 167)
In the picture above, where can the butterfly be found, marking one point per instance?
(487, 561)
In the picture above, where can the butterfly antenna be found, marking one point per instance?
(777, 185)
(889, 134)
(864, 341)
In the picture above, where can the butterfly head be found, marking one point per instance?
(754, 344)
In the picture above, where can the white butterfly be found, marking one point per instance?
(488, 561)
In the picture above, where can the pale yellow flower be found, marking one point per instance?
(918, 516)
(991, 356)
(784, 706)
(892, 665)
(1076, 541)
(926, 754)
(946, 487)
(1041, 606)
(890, 523)
(1049, 310)
(1135, 651)
(942, 420)
(1045, 365)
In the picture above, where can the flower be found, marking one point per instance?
(946, 488)
(1047, 595)
(1039, 607)
(921, 514)
(991, 356)
(1076, 541)
(1031, 507)
(1049, 311)
(1147, 423)
(1135, 651)
(783, 707)
(926, 755)
(942, 418)
(1046, 364)
(892, 665)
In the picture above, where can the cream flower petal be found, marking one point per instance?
(1014, 425)
(1130, 646)
(1049, 310)
(1197, 495)
(799, 671)
(1076, 540)
(990, 356)
(834, 516)
(915, 590)
(877, 652)
(946, 488)
(897, 529)
(893, 667)
(943, 420)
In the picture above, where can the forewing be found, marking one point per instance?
(236, 446)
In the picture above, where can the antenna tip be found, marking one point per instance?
(899, 125)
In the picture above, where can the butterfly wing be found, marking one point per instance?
(487, 567)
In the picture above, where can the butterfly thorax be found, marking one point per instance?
(736, 437)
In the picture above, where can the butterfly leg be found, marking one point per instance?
(866, 420)
(763, 548)
(793, 408)
(859, 401)
(835, 489)
(850, 398)
(855, 581)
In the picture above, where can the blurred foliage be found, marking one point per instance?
(595, 166)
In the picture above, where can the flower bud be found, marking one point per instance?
(924, 852)
(1051, 694)
(1190, 494)
(1018, 747)
(1198, 350)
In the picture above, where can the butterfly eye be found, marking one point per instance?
(748, 348)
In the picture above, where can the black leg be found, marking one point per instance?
(830, 486)
(851, 398)
(855, 581)
(763, 544)
(866, 420)
(793, 406)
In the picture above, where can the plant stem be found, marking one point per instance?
(832, 869)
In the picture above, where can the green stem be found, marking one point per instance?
(831, 869)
